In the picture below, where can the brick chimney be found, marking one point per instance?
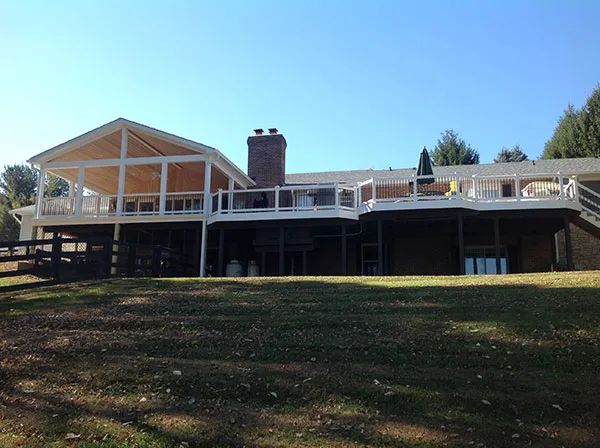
(266, 158)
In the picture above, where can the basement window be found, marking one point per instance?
(482, 260)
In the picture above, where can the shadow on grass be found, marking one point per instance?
(317, 362)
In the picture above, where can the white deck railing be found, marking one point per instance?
(142, 204)
(286, 199)
(474, 188)
(312, 200)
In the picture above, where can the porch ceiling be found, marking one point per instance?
(104, 142)
(182, 177)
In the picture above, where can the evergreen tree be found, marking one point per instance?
(577, 133)
(514, 154)
(18, 185)
(453, 150)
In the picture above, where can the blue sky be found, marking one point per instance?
(350, 84)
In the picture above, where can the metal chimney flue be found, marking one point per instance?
(258, 132)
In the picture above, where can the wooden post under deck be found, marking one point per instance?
(344, 254)
(461, 245)
(380, 246)
(497, 245)
(221, 255)
(281, 251)
(568, 245)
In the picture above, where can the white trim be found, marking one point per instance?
(203, 247)
(79, 194)
(164, 173)
(40, 192)
(122, 168)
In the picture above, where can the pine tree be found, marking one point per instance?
(514, 154)
(452, 150)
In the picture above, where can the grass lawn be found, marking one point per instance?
(308, 362)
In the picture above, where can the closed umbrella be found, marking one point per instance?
(425, 168)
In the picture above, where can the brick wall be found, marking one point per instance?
(536, 253)
(266, 159)
(431, 255)
(586, 249)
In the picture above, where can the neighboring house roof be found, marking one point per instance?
(585, 165)
(113, 126)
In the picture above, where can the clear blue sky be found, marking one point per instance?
(350, 84)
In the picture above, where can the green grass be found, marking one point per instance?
(309, 362)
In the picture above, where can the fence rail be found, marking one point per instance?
(64, 259)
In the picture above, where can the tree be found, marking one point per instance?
(452, 150)
(566, 140)
(577, 133)
(590, 125)
(514, 154)
(55, 187)
(18, 186)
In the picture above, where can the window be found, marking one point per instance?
(482, 260)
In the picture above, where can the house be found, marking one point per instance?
(138, 184)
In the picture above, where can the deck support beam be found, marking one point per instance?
(380, 246)
(461, 244)
(497, 245)
(568, 244)
(115, 247)
(281, 251)
(207, 210)
(220, 256)
(344, 251)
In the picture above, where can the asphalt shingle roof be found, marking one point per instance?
(565, 166)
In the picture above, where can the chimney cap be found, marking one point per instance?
(273, 131)
(258, 131)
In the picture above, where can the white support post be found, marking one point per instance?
(164, 173)
(337, 196)
(230, 187)
(220, 201)
(207, 210)
(40, 192)
(122, 168)
(415, 190)
(276, 198)
(79, 195)
(71, 189)
(203, 244)
(457, 183)
(373, 190)
(518, 187)
(562, 187)
(475, 188)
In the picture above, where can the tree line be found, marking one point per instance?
(577, 134)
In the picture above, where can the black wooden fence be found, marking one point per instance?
(60, 259)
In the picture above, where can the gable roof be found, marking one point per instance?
(119, 123)
(587, 165)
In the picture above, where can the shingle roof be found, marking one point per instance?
(565, 166)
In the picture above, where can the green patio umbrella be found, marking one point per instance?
(425, 168)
